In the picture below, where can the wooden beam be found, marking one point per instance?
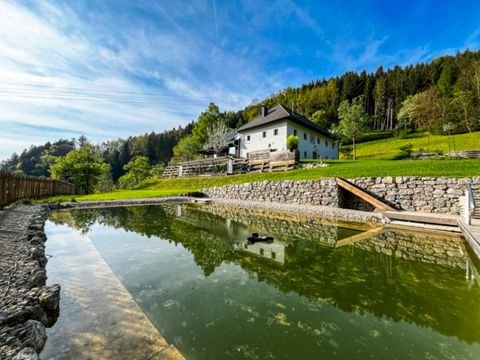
(363, 195)
(362, 236)
(425, 218)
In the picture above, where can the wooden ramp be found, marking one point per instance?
(378, 204)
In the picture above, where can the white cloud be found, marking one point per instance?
(58, 71)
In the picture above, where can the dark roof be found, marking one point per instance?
(280, 112)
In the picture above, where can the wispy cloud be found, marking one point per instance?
(70, 67)
(56, 51)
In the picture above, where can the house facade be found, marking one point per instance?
(271, 129)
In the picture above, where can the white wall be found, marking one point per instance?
(279, 142)
(258, 142)
(326, 149)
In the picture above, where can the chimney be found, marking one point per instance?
(264, 111)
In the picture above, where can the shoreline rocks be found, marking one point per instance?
(27, 305)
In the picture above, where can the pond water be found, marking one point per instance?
(314, 292)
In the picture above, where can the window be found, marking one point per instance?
(304, 136)
(326, 143)
(262, 251)
(295, 132)
(275, 132)
(305, 154)
(274, 255)
(318, 141)
(248, 138)
(333, 145)
(264, 134)
(312, 139)
(314, 155)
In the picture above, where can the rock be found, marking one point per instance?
(26, 354)
(50, 297)
(35, 335)
(38, 277)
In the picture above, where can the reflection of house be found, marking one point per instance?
(273, 251)
(270, 131)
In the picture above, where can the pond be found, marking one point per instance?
(316, 291)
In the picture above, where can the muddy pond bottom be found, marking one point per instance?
(318, 291)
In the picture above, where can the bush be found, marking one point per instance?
(292, 143)
(405, 152)
(346, 152)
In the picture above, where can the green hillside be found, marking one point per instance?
(342, 168)
(390, 148)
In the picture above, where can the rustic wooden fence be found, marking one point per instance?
(259, 161)
(15, 187)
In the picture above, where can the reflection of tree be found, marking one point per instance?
(354, 279)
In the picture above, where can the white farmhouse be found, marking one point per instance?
(271, 129)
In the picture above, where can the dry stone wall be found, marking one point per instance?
(425, 194)
(309, 192)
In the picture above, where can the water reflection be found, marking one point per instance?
(398, 278)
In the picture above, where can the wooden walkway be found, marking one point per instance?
(472, 234)
(424, 218)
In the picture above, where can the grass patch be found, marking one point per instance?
(337, 168)
(389, 148)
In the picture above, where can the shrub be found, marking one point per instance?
(405, 152)
(346, 152)
(292, 142)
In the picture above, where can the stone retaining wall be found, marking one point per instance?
(425, 194)
(309, 192)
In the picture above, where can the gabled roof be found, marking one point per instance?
(280, 112)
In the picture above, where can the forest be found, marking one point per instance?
(441, 96)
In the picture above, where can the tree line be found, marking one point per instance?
(445, 92)
(442, 96)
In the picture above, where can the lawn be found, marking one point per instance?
(336, 168)
(389, 148)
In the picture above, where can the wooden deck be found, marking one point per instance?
(424, 218)
(472, 234)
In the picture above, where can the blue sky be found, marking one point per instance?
(112, 68)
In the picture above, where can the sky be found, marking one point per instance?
(111, 68)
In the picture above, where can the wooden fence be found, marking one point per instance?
(259, 161)
(15, 187)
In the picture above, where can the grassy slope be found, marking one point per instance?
(340, 168)
(389, 148)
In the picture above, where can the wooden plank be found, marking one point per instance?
(282, 163)
(426, 218)
(363, 195)
(358, 237)
(258, 162)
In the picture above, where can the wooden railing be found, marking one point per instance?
(16, 187)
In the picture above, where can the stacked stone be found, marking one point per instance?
(423, 194)
(27, 306)
(299, 227)
(445, 251)
(412, 193)
(308, 192)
